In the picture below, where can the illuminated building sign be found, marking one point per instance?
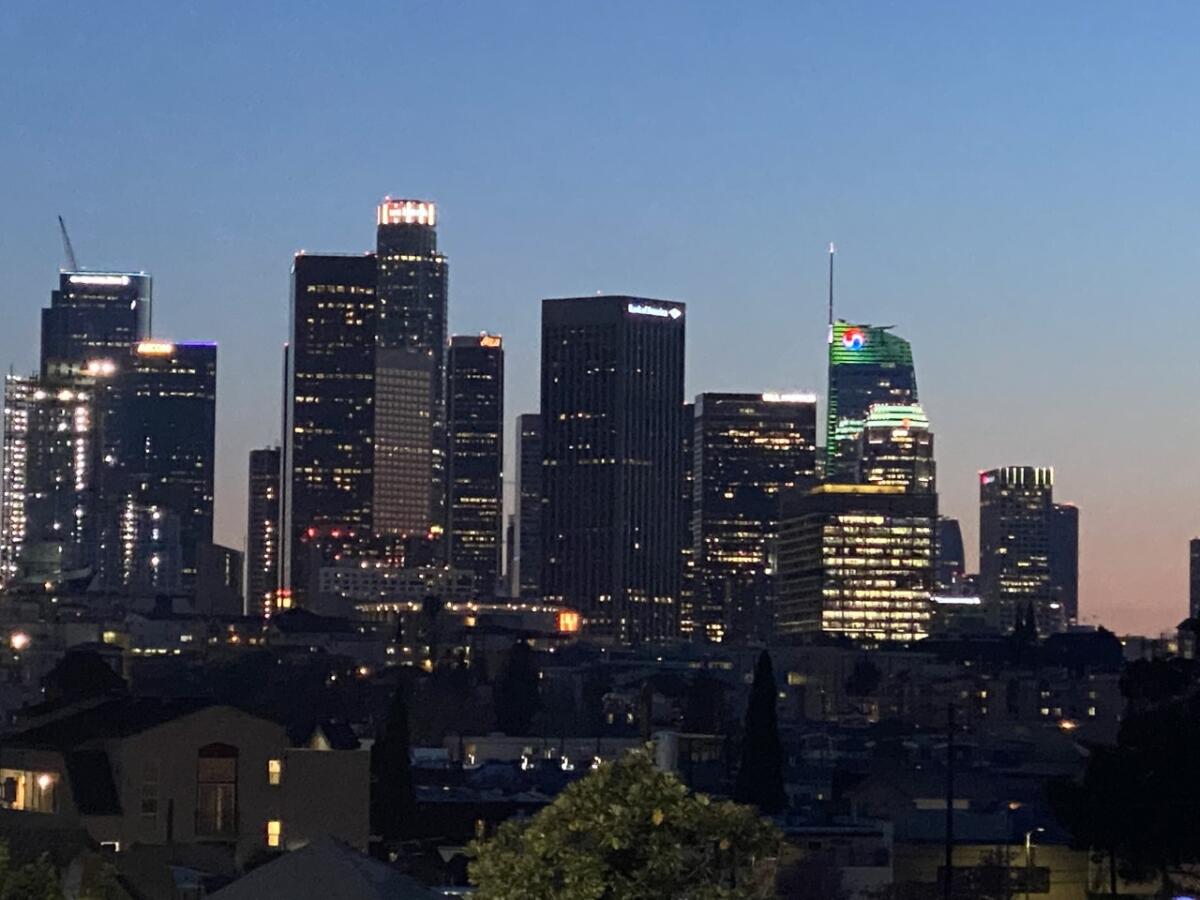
(101, 280)
(775, 397)
(854, 339)
(659, 312)
(567, 621)
(489, 340)
(155, 348)
(407, 212)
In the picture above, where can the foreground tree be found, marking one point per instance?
(760, 775)
(516, 693)
(629, 832)
(392, 797)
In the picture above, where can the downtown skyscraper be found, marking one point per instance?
(412, 295)
(263, 537)
(329, 412)
(160, 441)
(475, 458)
(94, 316)
(867, 365)
(1028, 549)
(525, 578)
(747, 449)
(856, 561)
(612, 414)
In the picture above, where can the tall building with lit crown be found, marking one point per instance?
(161, 443)
(612, 404)
(856, 561)
(748, 449)
(413, 298)
(1016, 508)
(867, 365)
(95, 315)
(475, 458)
(526, 578)
(329, 413)
(263, 543)
(895, 446)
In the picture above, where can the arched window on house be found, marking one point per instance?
(216, 792)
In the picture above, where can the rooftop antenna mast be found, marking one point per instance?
(67, 248)
(832, 251)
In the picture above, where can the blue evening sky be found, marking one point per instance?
(1014, 185)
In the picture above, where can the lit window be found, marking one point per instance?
(274, 833)
(274, 771)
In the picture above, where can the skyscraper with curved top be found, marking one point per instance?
(868, 364)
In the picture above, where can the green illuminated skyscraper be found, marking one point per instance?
(867, 365)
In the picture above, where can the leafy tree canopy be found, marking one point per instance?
(629, 832)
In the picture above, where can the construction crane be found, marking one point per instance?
(67, 248)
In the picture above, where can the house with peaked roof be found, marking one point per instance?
(137, 771)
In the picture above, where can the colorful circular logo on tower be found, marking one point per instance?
(854, 338)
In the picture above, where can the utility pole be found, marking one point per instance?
(949, 882)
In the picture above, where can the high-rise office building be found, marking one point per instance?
(51, 511)
(856, 561)
(526, 578)
(475, 457)
(162, 440)
(412, 294)
(403, 491)
(951, 558)
(93, 316)
(329, 426)
(1064, 558)
(895, 446)
(263, 543)
(18, 400)
(747, 450)
(867, 365)
(687, 616)
(1016, 506)
(612, 410)
(1193, 577)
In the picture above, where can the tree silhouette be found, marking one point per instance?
(392, 797)
(760, 775)
(515, 695)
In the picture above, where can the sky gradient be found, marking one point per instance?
(1014, 186)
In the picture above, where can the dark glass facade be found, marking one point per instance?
(525, 580)
(263, 544)
(329, 414)
(747, 450)
(413, 296)
(951, 557)
(1064, 558)
(94, 315)
(867, 365)
(612, 414)
(162, 442)
(475, 392)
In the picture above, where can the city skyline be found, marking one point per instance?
(1016, 397)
